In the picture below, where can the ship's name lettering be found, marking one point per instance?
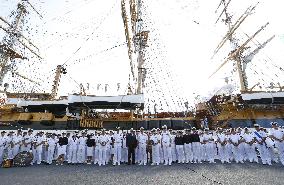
(89, 123)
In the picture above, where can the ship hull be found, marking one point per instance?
(175, 124)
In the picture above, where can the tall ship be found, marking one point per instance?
(82, 110)
(253, 103)
(79, 110)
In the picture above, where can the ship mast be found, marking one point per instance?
(59, 70)
(136, 39)
(236, 54)
(8, 50)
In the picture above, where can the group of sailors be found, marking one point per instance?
(153, 147)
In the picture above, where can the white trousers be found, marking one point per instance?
(236, 153)
(1, 154)
(264, 153)
(117, 153)
(210, 151)
(174, 152)
(102, 155)
(50, 154)
(161, 155)
(223, 153)
(196, 148)
(180, 153)
(96, 155)
(250, 153)
(188, 152)
(142, 153)
(81, 154)
(167, 151)
(156, 154)
(72, 155)
(16, 150)
(124, 155)
(280, 147)
(39, 154)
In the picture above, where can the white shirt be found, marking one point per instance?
(261, 133)
(117, 138)
(142, 139)
(235, 138)
(29, 139)
(221, 137)
(248, 137)
(51, 142)
(39, 140)
(276, 133)
(166, 139)
(82, 141)
(159, 137)
(104, 139)
(73, 142)
(173, 139)
(124, 142)
(3, 141)
(17, 140)
(155, 139)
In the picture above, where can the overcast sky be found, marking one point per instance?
(183, 36)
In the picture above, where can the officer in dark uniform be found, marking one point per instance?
(131, 143)
(63, 142)
(196, 146)
(179, 142)
(187, 139)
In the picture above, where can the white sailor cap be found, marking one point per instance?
(274, 123)
(164, 126)
(141, 128)
(256, 125)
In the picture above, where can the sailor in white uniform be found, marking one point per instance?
(117, 146)
(110, 149)
(73, 148)
(142, 144)
(277, 136)
(249, 146)
(97, 144)
(51, 143)
(124, 150)
(261, 145)
(27, 141)
(81, 152)
(161, 155)
(3, 142)
(209, 146)
(202, 147)
(235, 141)
(103, 140)
(173, 145)
(155, 148)
(166, 145)
(221, 144)
(241, 145)
(17, 140)
(40, 140)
